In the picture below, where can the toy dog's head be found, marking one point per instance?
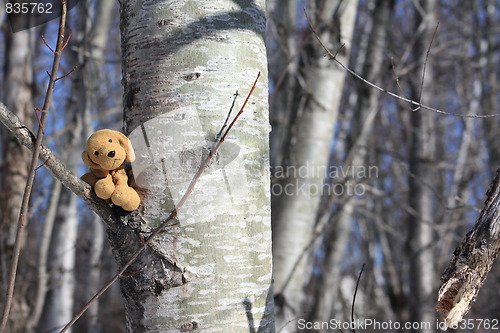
(107, 150)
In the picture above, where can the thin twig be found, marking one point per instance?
(168, 222)
(67, 74)
(31, 175)
(134, 273)
(67, 40)
(43, 164)
(217, 137)
(47, 44)
(396, 77)
(38, 118)
(354, 298)
(425, 67)
(405, 99)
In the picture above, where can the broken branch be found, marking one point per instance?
(471, 261)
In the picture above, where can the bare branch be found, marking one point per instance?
(67, 40)
(47, 44)
(402, 98)
(217, 137)
(67, 74)
(354, 296)
(425, 67)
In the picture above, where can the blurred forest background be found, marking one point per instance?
(358, 177)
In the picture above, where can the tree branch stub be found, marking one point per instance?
(471, 261)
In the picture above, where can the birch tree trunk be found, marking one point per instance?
(297, 196)
(365, 112)
(18, 97)
(99, 35)
(59, 302)
(182, 63)
(490, 82)
(58, 308)
(283, 73)
(421, 180)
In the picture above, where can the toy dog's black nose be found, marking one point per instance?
(111, 153)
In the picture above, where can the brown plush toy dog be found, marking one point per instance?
(105, 153)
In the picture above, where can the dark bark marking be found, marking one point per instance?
(189, 327)
(191, 76)
(158, 288)
(164, 22)
(131, 96)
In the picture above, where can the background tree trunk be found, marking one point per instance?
(182, 63)
(18, 97)
(93, 51)
(296, 196)
(367, 106)
(422, 175)
(489, 80)
(59, 301)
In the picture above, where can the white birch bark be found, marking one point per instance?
(421, 180)
(100, 31)
(18, 97)
(182, 63)
(43, 258)
(365, 112)
(58, 308)
(297, 196)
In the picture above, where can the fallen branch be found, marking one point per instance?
(471, 261)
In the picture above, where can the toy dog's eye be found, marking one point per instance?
(96, 153)
(110, 140)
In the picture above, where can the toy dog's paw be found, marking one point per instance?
(132, 205)
(104, 188)
(126, 197)
(120, 195)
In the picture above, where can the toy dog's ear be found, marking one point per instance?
(127, 145)
(86, 159)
